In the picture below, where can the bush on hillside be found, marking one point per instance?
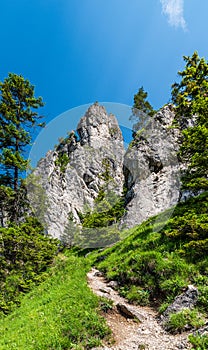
(25, 254)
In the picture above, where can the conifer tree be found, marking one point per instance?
(18, 117)
(190, 97)
(142, 109)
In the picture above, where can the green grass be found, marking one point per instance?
(199, 342)
(151, 268)
(61, 313)
(185, 319)
(154, 267)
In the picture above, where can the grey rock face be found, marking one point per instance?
(186, 300)
(80, 167)
(96, 155)
(152, 169)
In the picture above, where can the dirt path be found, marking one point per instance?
(145, 333)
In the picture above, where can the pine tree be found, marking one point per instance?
(190, 97)
(142, 109)
(17, 118)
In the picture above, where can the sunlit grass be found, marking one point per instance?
(61, 313)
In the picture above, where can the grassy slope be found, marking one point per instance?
(61, 313)
(153, 267)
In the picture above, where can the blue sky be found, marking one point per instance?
(78, 52)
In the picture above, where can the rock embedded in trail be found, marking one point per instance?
(113, 284)
(129, 311)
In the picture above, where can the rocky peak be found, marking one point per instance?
(96, 126)
(73, 175)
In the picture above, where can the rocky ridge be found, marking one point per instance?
(93, 158)
(97, 153)
(152, 169)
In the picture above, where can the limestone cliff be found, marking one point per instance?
(76, 171)
(73, 174)
(152, 170)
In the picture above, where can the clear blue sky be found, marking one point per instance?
(77, 52)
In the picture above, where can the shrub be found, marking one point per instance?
(185, 319)
(25, 254)
(138, 295)
(62, 161)
(200, 342)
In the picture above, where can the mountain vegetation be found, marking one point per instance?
(25, 254)
(142, 110)
(44, 299)
(190, 97)
(18, 118)
(152, 267)
(61, 313)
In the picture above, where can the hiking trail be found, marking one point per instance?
(133, 327)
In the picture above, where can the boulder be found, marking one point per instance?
(186, 300)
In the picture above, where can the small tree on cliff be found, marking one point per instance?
(190, 97)
(17, 118)
(142, 109)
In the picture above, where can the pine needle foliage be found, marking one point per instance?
(190, 97)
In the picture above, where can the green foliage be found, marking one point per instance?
(62, 161)
(105, 304)
(100, 224)
(108, 209)
(142, 347)
(189, 225)
(142, 109)
(200, 342)
(203, 296)
(63, 141)
(7, 195)
(136, 295)
(193, 86)
(140, 102)
(71, 233)
(190, 97)
(154, 267)
(37, 197)
(61, 313)
(25, 254)
(13, 204)
(114, 131)
(184, 319)
(63, 158)
(96, 237)
(17, 117)
(106, 174)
